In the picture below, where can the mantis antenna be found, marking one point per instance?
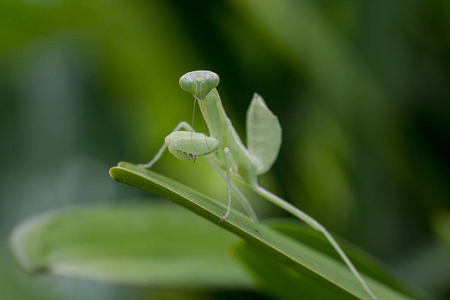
(226, 153)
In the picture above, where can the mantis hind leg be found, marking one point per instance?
(182, 125)
(317, 226)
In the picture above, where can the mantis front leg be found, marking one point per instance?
(188, 136)
(182, 125)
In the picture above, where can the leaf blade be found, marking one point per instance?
(157, 245)
(302, 258)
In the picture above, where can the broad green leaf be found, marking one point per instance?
(301, 258)
(157, 245)
(282, 281)
(364, 262)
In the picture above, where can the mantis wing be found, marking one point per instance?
(263, 134)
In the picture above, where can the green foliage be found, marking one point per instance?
(298, 257)
(160, 246)
(152, 245)
(361, 90)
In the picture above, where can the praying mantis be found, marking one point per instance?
(225, 152)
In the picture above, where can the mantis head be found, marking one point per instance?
(199, 83)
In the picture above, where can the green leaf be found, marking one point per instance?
(284, 283)
(299, 257)
(162, 246)
(364, 262)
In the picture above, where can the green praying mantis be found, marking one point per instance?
(225, 152)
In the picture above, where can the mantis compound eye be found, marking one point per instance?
(199, 83)
(213, 80)
(185, 83)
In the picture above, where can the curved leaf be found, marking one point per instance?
(155, 245)
(282, 281)
(363, 261)
(296, 255)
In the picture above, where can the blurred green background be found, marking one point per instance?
(361, 89)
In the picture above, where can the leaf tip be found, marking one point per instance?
(27, 246)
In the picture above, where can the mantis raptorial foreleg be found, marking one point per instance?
(182, 125)
(229, 154)
(230, 186)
